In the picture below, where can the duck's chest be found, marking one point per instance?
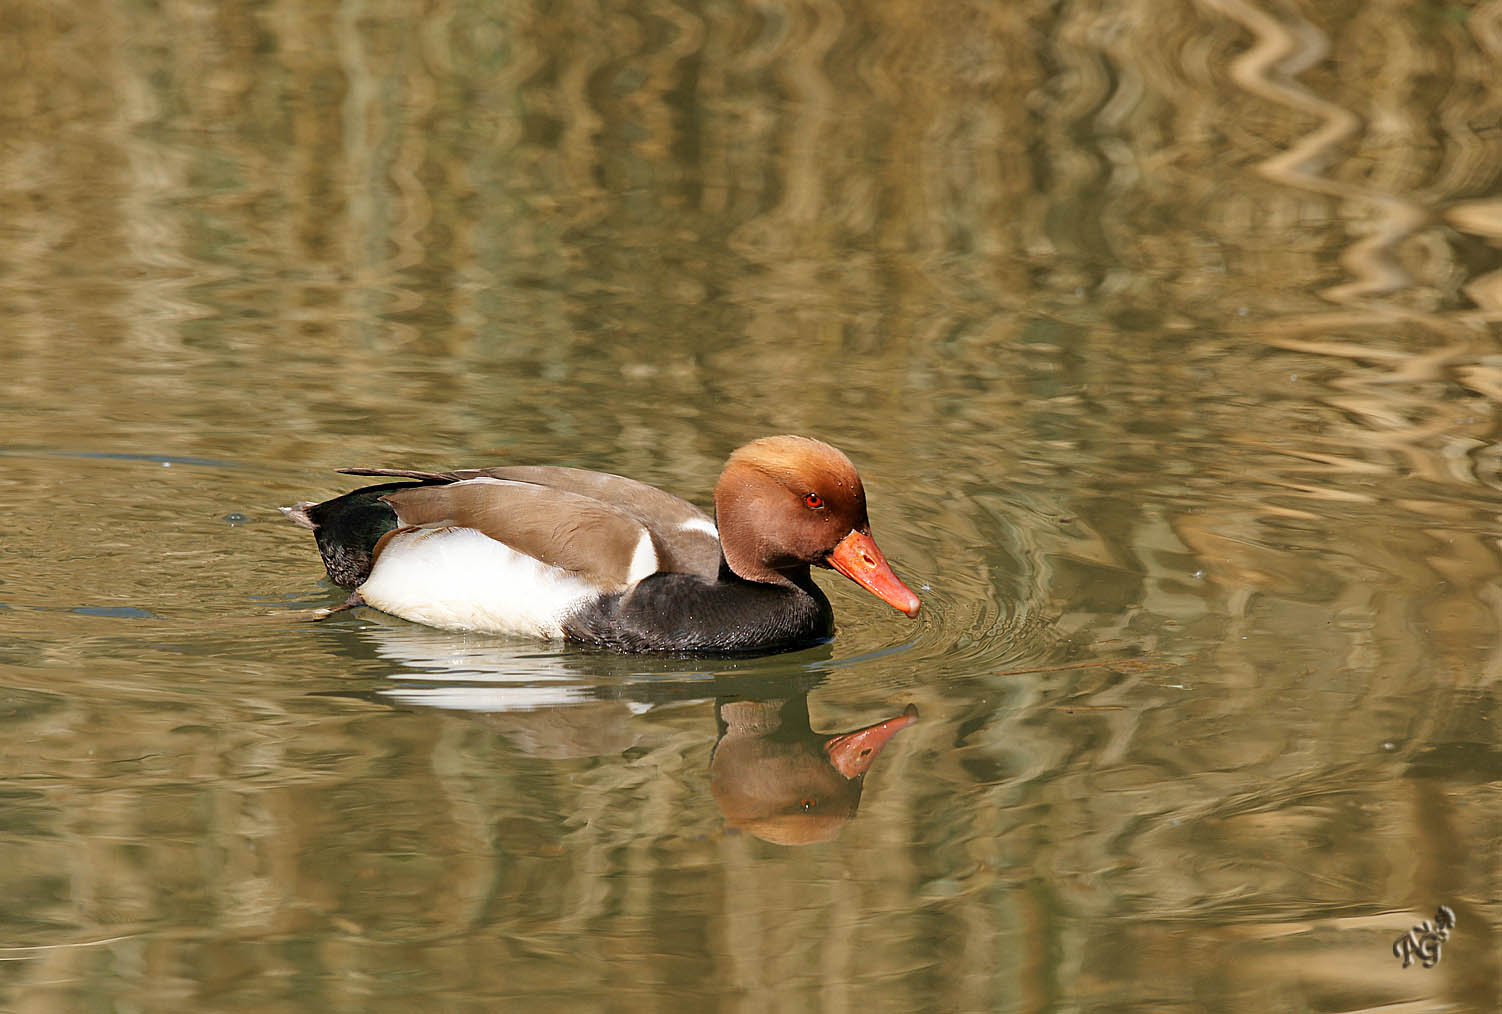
(693, 614)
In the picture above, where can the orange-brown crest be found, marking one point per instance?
(784, 502)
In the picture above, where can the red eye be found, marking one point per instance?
(814, 501)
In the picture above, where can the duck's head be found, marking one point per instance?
(785, 503)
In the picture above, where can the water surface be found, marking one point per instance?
(1166, 340)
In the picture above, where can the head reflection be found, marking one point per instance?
(775, 778)
(770, 773)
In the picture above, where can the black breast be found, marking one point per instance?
(689, 613)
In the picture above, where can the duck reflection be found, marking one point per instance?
(776, 778)
(770, 773)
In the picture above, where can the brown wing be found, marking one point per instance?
(562, 529)
(682, 534)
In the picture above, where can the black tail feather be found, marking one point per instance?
(403, 473)
(347, 529)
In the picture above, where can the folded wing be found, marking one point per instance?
(607, 529)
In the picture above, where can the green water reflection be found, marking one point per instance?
(1165, 338)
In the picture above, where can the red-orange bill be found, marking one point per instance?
(852, 753)
(858, 559)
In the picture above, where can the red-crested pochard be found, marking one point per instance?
(562, 552)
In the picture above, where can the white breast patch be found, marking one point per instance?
(459, 579)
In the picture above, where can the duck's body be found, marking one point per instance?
(566, 553)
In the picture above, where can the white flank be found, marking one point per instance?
(700, 525)
(459, 579)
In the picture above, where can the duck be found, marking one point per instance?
(562, 553)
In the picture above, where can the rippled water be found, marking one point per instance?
(1165, 337)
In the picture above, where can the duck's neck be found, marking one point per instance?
(793, 577)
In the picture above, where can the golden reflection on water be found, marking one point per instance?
(1165, 336)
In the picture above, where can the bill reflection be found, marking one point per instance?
(771, 775)
(776, 778)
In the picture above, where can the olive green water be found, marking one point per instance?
(1166, 337)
